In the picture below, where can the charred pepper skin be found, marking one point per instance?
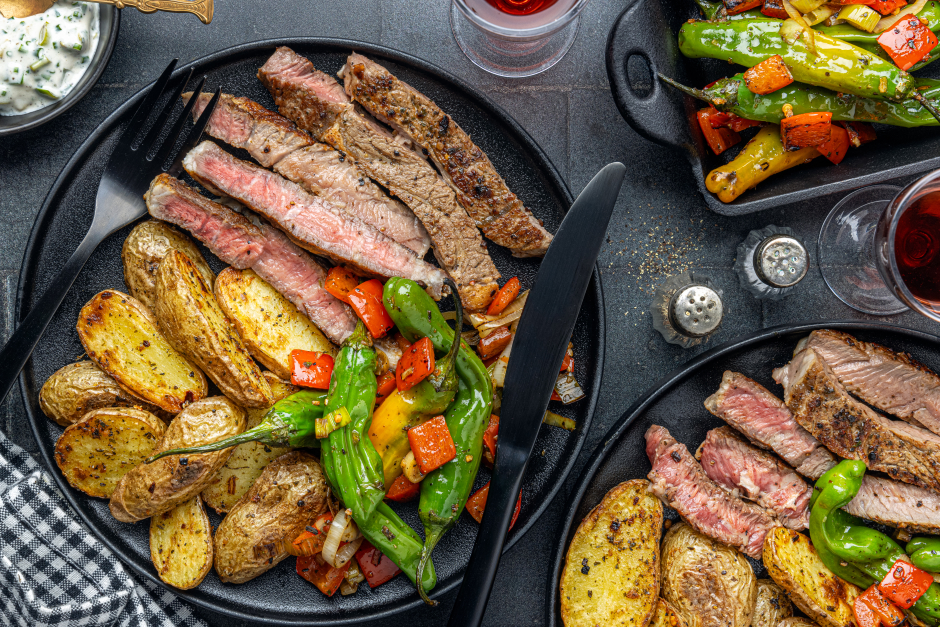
(444, 492)
(838, 65)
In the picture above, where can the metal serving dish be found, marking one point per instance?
(643, 42)
(110, 18)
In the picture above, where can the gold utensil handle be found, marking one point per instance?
(200, 8)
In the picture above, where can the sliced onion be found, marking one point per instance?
(484, 323)
(501, 364)
(790, 31)
(819, 14)
(798, 18)
(347, 588)
(333, 538)
(388, 348)
(354, 574)
(346, 552)
(352, 532)
(890, 20)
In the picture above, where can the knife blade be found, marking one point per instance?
(538, 349)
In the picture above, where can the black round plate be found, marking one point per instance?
(280, 596)
(676, 402)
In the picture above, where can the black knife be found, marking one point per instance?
(538, 350)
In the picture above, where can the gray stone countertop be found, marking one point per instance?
(660, 226)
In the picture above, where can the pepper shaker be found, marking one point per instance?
(687, 308)
(771, 261)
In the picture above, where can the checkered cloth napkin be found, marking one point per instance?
(54, 572)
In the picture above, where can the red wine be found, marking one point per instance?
(917, 250)
(520, 14)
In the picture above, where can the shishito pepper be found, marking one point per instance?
(925, 553)
(444, 492)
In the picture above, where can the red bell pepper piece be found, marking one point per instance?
(859, 132)
(886, 7)
(835, 148)
(431, 444)
(768, 76)
(490, 437)
(733, 7)
(908, 41)
(904, 584)
(806, 130)
(415, 364)
(323, 576)
(555, 396)
(719, 139)
(385, 385)
(366, 301)
(774, 8)
(731, 121)
(402, 490)
(494, 343)
(310, 542)
(506, 294)
(871, 609)
(375, 565)
(340, 281)
(476, 505)
(311, 369)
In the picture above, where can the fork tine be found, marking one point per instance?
(170, 142)
(194, 135)
(150, 142)
(143, 111)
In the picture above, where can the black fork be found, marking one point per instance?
(133, 165)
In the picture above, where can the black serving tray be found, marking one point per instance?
(647, 31)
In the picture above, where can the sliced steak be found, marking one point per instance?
(756, 475)
(682, 484)
(480, 189)
(879, 499)
(264, 249)
(312, 223)
(853, 430)
(275, 142)
(893, 382)
(318, 104)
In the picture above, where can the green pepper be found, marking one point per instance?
(402, 544)
(731, 95)
(290, 422)
(444, 492)
(925, 553)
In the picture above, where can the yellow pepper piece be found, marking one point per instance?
(389, 431)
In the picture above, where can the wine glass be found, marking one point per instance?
(515, 38)
(879, 248)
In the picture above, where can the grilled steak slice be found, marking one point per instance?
(264, 249)
(480, 189)
(853, 430)
(890, 381)
(756, 475)
(312, 223)
(879, 499)
(681, 483)
(317, 103)
(274, 141)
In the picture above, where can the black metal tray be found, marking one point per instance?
(280, 596)
(676, 402)
(647, 30)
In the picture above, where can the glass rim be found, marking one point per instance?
(521, 33)
(903, 198)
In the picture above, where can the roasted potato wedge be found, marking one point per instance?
(76, 389)
(151, 489)
(181, 544)
(122, 337)
(270, 325)
(708, 584)
(247, 460)
(614, 550)
(95, 452)
(145, 248)
(191, 319)
(793, 563)
(796, 621)
(772, 605)
(289, 494)
(666, 616)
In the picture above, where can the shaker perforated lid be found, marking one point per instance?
(781, 260)
(696, 310)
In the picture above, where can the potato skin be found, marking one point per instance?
(76, 389)
(772, 605)
(612, 569)
(151, 489)
(792, 562)
(194, 324)
(123, 338)
(144, 249)
(287, 496)
(96, 452)
(269, 324)
(181, 544)
(796, 621)
(708, 584)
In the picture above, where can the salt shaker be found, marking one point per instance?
(771, 261)
(687, 308)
